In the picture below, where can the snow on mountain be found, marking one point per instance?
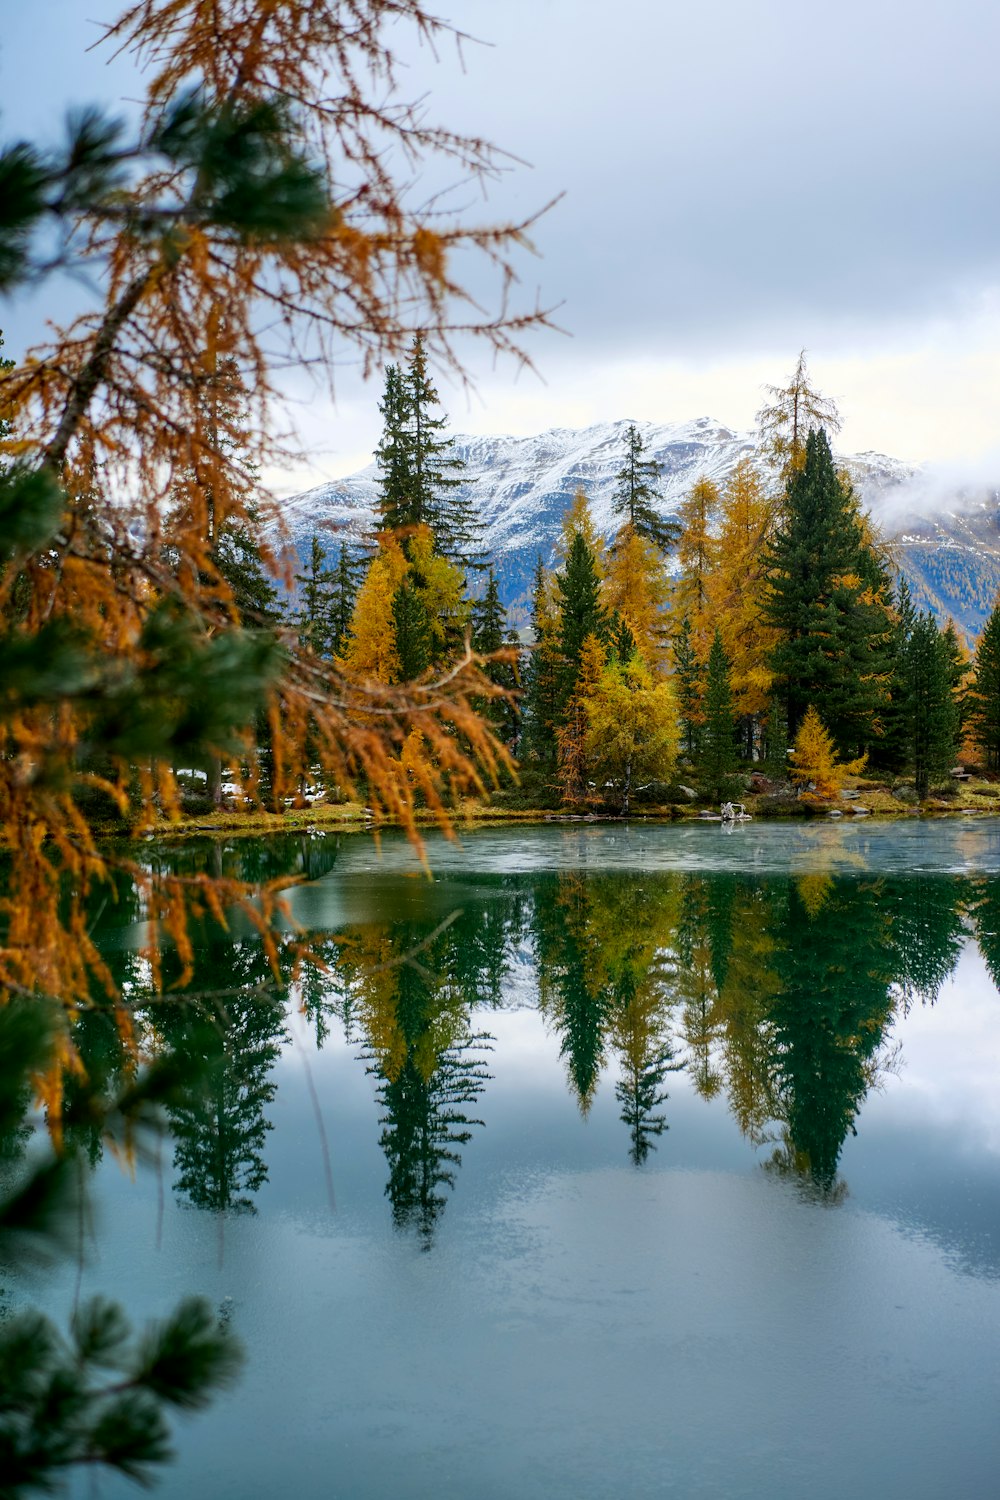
(520, 487)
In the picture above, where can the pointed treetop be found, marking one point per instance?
(636, 495)
(791, 413)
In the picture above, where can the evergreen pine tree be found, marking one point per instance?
(623, 641)
(581, 612)
(489, 619)
(636, 495)
(398, 504)
(959, 667)
(932, 713)
(717, 756)
(316, 596)
(345, 582)
(690, 675)
(421, 476)
(489, 635)
(894, 747)
(541, 696)
(776, 740)
(985, 691)
(412, 629)
(825, 600)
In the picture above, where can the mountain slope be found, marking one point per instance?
(521, 487)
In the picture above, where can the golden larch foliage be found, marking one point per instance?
(637, 586)
(815, 760)
(697, 551)
(737, 588)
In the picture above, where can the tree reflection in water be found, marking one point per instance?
(776, 992)
(230, 1034)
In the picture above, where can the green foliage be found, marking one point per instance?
(636, 496)
(827, 600)
(829, 1015)
(489, 635)
(241, 170)
(99, 1397)
(541, 690)
(984, 694)
(581, 612)
(776, 744)
(413, 631)
(237, 556)
(716, 762)
(931, 712)
(690, 674)
(249, 176)
(420, 473)
(31, 505)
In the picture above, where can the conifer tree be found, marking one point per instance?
(815, 757)
(893, 749)
(634, 499)
(697, 553)
(313, 616)
(489, 618)
(573, 762)
(959, 667)
(490, 635)
(636, 588)
(370, 653)
(581, 613)
(411, 628)
(984, 694)
(690, 675)
(344, 585)
(737, 588)
(793, 412)
(776, 745)
(825, 600)
(541, 697)
(717, 755)
(399, 505)
(421, 475)
(632, 726)
(932, 717)
(623, 642)
(578, 517)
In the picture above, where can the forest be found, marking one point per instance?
(766, 630)
(252, 214)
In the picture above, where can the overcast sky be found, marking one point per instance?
(741, 179)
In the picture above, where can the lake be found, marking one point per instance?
(603, 1161)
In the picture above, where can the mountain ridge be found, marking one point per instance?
(521, 485)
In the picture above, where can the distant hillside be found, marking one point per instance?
(521, 486)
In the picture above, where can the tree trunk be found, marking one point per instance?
(627, 788)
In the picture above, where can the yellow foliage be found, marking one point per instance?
(371, 648)
(441, 587)
(815, 758)
(577, 518)
(632, 728)
(636, 585)
(571, 735)
(737, 587)
(697, 551)
(135, 411)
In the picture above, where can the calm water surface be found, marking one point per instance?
(665, 1162)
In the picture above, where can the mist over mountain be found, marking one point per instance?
(947, 542)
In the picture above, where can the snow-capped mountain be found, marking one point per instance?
(520, 487)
